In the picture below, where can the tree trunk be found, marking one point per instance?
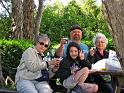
(17, 18)
(38, 18)
(2, 79)
(114, 12)
(28, 9)
(24, 26)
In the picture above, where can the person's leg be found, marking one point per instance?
(89, 88)
(69, 83)
(52, 83)
(25, 86)
(81, 75)
(43, 87)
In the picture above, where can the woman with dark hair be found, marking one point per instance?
(74, 70)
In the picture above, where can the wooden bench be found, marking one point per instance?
(7, 91)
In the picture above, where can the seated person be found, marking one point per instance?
(74, 70)
(33, 72)
(104, 82)
(76, 34)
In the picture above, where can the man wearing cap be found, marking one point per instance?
(75, 36)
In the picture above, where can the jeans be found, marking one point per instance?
(32, 86)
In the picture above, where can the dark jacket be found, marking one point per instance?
(64, 71)
(93, 59)
(97, 56)
(105, 87)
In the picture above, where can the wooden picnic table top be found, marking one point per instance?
(114, 73)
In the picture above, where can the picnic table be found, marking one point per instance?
(118, 74)
(114, 73)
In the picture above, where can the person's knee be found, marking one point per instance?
(25, 86)
(85, 71)
(43, 87)
(89, 88)
(45, 90)
(95, 88)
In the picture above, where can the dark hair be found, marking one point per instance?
(73, 27)
(72, 44)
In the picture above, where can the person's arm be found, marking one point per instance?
(53, 70)
(60, 51)
(91, 56)
(64, 71)
(33, 63)
(32, 60)
(87, 63)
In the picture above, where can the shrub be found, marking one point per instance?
(11, 54)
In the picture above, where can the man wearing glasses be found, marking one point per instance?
(75, 36)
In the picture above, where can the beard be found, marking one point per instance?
(76, 38)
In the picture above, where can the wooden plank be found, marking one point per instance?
(7, 91)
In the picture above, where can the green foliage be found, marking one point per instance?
(9, 87)
(5, 24)
(57, 20)
(11, 54)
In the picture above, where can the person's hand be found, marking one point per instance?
(63, 41)
(92, 51)
(81, 55)
(54, 62)
(74, 68)
(55, 68)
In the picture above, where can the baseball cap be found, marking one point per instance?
(73, 27)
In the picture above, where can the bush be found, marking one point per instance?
(11, 54)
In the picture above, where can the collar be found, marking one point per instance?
(37, 51)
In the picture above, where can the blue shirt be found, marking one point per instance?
(83, 47)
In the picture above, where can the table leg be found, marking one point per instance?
(120, 88)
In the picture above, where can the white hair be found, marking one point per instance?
(43, 37)
(98, 36)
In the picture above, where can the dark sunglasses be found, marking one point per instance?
(42, 43)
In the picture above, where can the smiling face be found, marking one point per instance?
(42, 46)
(73, 52)
(76, 35)
(101, 44)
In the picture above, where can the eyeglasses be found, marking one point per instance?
(42, 43)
